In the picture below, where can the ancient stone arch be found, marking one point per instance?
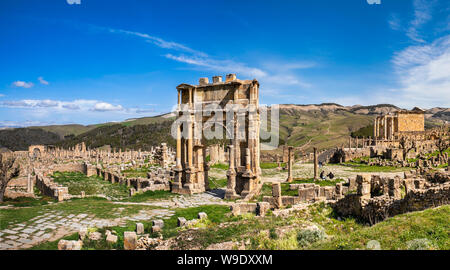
(36, 150)
(191, 171)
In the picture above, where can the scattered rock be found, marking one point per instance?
(156, 229)
(82, 233)
(95, 236)
(181, 221)
(159, 223)
(202, 215)
(70, 245)
(111, 238)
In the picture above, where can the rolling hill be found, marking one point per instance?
(315, 125)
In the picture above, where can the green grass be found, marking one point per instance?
(217, 183)
(139, 172)
(27, 201)
(216, 214)
(358, 167)
(220, 166)
(270, 165)
(149, 195)
(53, 245)
(393, 233)
(93, 185)
(99, 207)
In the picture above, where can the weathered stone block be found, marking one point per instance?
(94, 236)
(139, 228)
(111, 238)
(261, 208)
(202, 215)
(156, 229)
(276, 190)
(181, 221)
(159, 223)
(129, 240)
(82, 233)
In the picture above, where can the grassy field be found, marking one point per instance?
(93, 185)
(427, 229)
(149, 195)
(217, 183)
(99, 207)
(216, 215)
(360, 167)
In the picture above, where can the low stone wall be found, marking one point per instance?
(379, 198)
(158, 180)
(49, 188)
(259, 208)
(67, 167)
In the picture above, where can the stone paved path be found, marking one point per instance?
(212, 197)
(56, 224)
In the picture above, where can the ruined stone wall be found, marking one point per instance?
(379, 198)
(410, 122)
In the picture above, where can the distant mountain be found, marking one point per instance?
(20, 138)
(313, 125)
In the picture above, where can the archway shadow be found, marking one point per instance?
(218, 192)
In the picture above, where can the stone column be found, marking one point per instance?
(363, 186)
(290, 164)
(385, 127)
(190, 145)
(276, 195)
(392, 128)
(29, 184)
(316, 165)
(375, 127)
(231, 174)
(178, 158)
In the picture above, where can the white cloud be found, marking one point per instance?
(42, 81)
(275, 74)
(106, 107)
(422, 14)
(23, 84)
(159, 41)
(219, 65)
(423, 73)
(394, 22)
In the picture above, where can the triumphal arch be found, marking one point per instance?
(229, 109)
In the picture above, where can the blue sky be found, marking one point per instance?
(111, 60)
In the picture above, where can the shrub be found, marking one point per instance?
(309, 236)
(419, 244)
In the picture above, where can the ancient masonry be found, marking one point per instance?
(398, 137)
(401, 122)
(191, 170)
(40, 162)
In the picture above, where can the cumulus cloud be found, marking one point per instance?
(23, 84)
(42, 81)
(105, 107)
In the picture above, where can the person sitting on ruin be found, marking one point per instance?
(322, 175)
(330, 175)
